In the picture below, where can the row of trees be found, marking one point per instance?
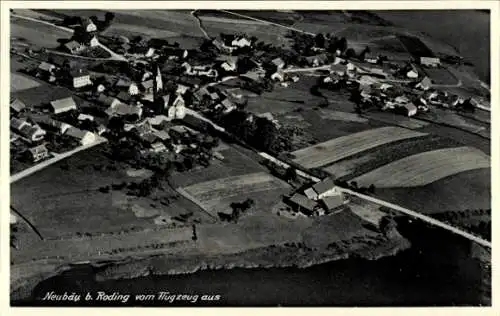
(238, 208)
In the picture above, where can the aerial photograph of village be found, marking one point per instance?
(250, 158)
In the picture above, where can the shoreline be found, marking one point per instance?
(272, 256)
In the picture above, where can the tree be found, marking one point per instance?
(387, 224)
(342, 44)
(109, 17)
(350, 53)
(365, 51)
(291, 174)
(319, 40)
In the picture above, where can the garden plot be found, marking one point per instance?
(345, 146)
(425, 168)
(19, 82)
(213, 195)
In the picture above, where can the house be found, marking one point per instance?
(32, 133)
(89, 26)
(409, 109)
(46, 68)
(63, 105)
(430, 61)
(424, 84)
(84, 137)
(302, 204)
(148, 86)
(38, 153)
(122, 84)
(83, 117)
(157, 120)
(94, 42)
(133, 89)
(321, 189)
(181, 89)
(200, 93)
(61, 127)
(150, 53)
(412, 74)
(122, 109)
(229, 65)
(74, 47)
(101, 129)
(227, 105)
(158, 147)
(278, 62)
(333, 201)
(17, 106)
(161, 135)
(100, 88)
(80, 78)
(240, 42)
(107, 100)
(317, 60)
(278, 76)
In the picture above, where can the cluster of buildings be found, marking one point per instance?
(320, 199)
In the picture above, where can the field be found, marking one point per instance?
(377, 157)
(343, 147)
(425, 168)
(395, 119)
(62, 202)
(36, 34)
(466, 190)
(441, 76)
(20, 82)
(214, 195)
(415, 46)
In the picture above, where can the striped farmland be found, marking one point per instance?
(425, 168)
(342, 147)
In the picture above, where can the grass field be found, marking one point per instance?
(63, 202)
(20, 82)
(425, 168)
(215, 195)
(342, 147)
(441, 76)
(37, 34)
(395, 119)
(466, 190)
(377, 157)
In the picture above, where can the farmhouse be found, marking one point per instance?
(424, 84)
(321, 189)
(38, 153)
(32, 133)
(278, 76)
(17, 106)
(430, 61)
(46, 68)
(122, 109)
(74, 47)
(80, 78)
(84, 137)
(333, 201)
(408, 109)
(302, 204)
(338, 69)
(63, 105)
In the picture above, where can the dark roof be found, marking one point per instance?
(124, 96)
(332, 202)
(323, 186)
(79, 73)
(72, 45)
(303, 202)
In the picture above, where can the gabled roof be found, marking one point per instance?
(303, 202)
(72, 45)
(63, 103)
(46, 66)
(124, 96)
(148, 84)
(17, 123)
(38, 149)
(79, 73)
(76, 132)
(107, 100)
(278, 61)
(324, 186)
(17, 105)
(334, 201)
(163, 135)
